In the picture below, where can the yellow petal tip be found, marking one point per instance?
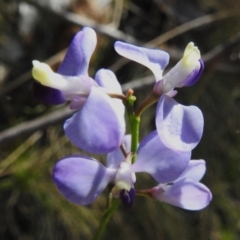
(42, 73)
(191, 55)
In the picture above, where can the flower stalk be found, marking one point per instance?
(150, 100)
(105, 219)
(135, 122)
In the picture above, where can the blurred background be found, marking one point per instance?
(31, 135)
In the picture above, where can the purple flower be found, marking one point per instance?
(81, 179)
(71, 82)
(99, 125)
(185, 73)
(186, 191)
(179, 127)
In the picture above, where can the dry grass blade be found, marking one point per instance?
(19, 151)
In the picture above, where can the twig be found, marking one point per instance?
(193, 24)
(117, 13)
(222, 49)
(78, 20)
(29, 127)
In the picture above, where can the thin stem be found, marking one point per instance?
(150, 100)
(119, 96)
(105, 219)
(135, 122)
(144, 193)
(123, 149)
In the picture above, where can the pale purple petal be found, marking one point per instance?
(116, 157)
(47, 95)
(97, 127)
(181, 75)
(79, 53)
(78, 86)
(155, 60)
(81, 179)
(164, 164)
(179, 127)
(108, 80)
(77, 102)
(186, 193)
(195, 170)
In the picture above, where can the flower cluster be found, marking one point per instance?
(98, 127)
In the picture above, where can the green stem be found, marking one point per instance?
(135, 122)
(105, 219)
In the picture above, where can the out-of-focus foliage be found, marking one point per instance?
(30, 206)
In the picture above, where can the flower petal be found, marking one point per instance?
(81, 179)
(186, 72)
(79, 53)
(193, 78)
(163, 163)
(107, 79)
(127, 197)
(97, 127)
(155, 60)
(179, 127)
(186, 193)
(47, 94)
(195, 170)
(116, 157)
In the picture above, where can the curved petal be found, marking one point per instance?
(195, 170)
(181, 75)
(108, 80)
(97, 127)
(77, 87)
(186, 193)
(77, 102)
(79, 53)
(179, 127)
(81, 179)
(155, 60)
(116, 157)
(193, 78)
(186, 72)
(164, 164)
